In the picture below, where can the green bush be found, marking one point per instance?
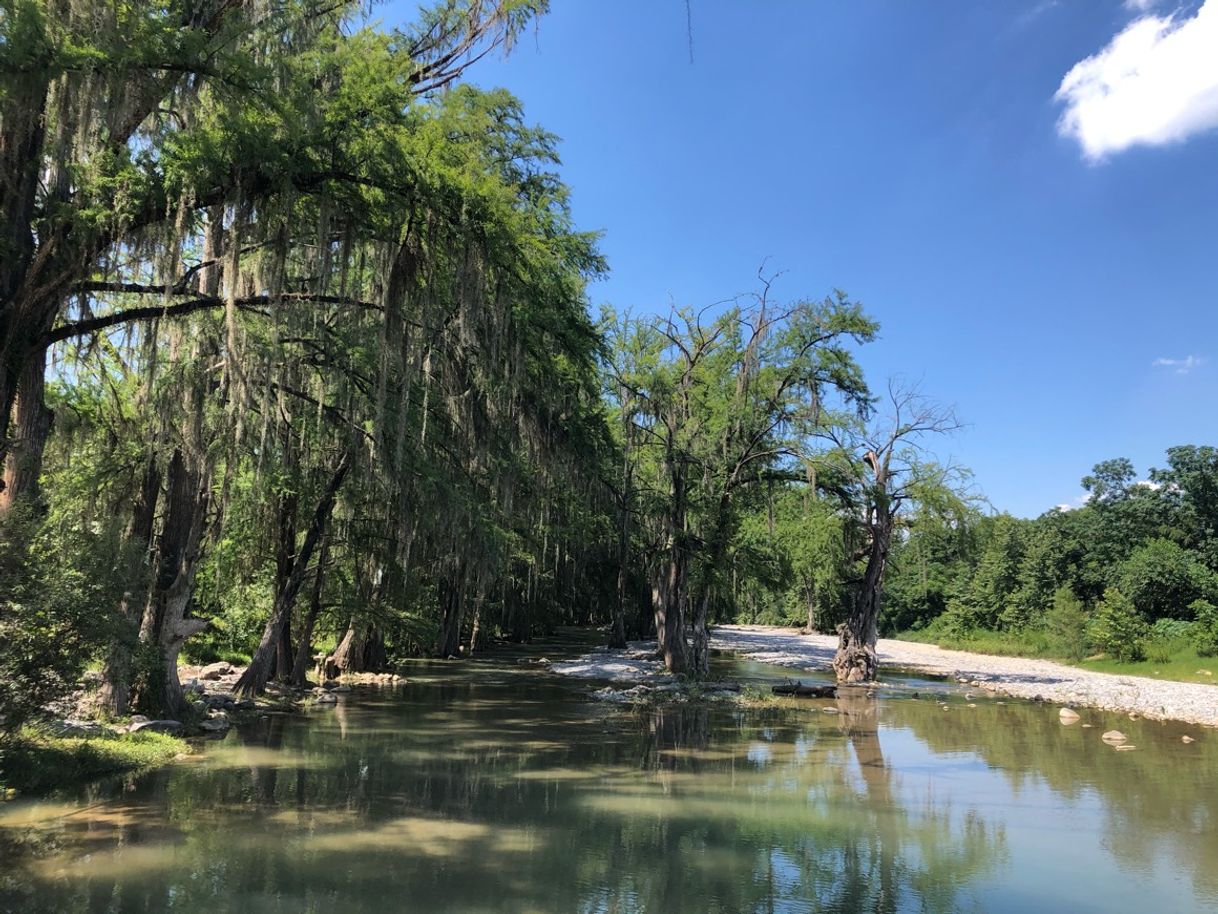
(1205, 629)
(1161, 578)
(56, 585)
(1118, 629)
(1065, 625)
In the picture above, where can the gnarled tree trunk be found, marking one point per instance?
(856, 659)
(165, 623)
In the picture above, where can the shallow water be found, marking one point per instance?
(494, 787)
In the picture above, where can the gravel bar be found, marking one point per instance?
(1015, 676)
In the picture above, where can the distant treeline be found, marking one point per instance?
(1134, 568)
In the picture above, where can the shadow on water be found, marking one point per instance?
(493, 786)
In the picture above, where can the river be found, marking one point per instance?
(493, 786)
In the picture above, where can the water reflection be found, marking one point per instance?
(497, 788)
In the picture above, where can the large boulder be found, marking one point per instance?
(214, 671)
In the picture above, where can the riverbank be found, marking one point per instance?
(1014, 676)
(36, 760)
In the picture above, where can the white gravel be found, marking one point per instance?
(1015, 676)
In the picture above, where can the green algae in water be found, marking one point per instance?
(490, 787)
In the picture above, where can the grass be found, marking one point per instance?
(1174, 658)
(34, 760)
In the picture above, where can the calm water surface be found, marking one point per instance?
(491, 786)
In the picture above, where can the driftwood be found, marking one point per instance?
(799, 690)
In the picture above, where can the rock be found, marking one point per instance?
(216, 671)
(341, 688)
(1114, 736)
(1125, 747)
(1187, 739)
(1087, 726)
(802, 690)
(214, 724)
(1068, 716)
(830, 710)
(972, 704)
(327, 698)
(1133, 716)
(138, 719)
(246, 705)
(330, 685)
(156, 726)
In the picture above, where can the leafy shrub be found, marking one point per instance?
(1205, 629)
(55, 587)
(1118, 629)
(1162, 578)
(1065, 625)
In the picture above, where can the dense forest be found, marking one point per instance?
(298, 366)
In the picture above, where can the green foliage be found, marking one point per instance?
(1163, 579)
(1065, 625)
(1005, 574)
(1117, 628)
(1206, 627)
(55, 583)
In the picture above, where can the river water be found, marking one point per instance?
(494, 786)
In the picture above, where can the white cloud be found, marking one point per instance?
(1140, 6)
(1182, 366)
(1155, 83)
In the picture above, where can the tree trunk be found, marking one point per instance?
(304, 650)
(285, 558)
(164, 622)
(810, 590)
(115, 693)
(671, 618)
(30, 429)
(450, 628)
(856, 659)
(701, 658)
(255, 677)
(617, 634)
(362, 649)
(22, 129)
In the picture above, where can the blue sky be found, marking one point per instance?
(1058, 284)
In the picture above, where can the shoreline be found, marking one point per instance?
(1017, 677)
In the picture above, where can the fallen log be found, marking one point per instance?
(799, 690)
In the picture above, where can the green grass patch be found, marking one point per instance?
(1168, 658)
(34, 760)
